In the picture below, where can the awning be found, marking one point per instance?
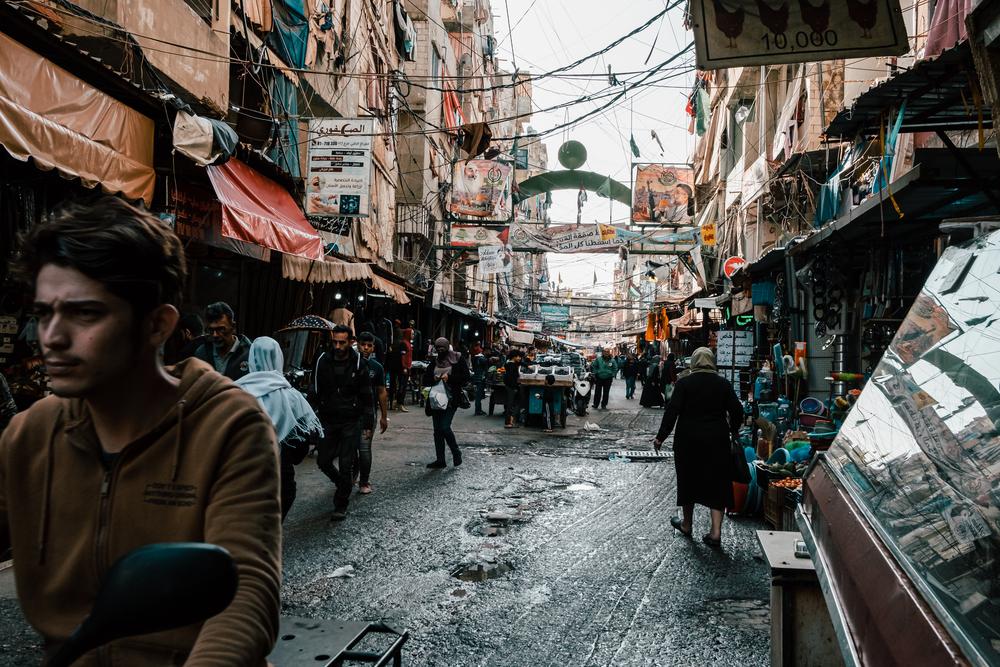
(255, 209)
(337, 271)
(462, 310)
(64, 123)
(937, 94)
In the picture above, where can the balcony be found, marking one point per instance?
(189, 47)
(464, 15)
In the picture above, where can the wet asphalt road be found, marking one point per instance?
(588, 570)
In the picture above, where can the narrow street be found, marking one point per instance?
(587, 570)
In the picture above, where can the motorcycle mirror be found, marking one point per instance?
(154, 588)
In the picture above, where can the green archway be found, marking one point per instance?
(571, 179)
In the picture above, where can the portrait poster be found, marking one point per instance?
(481, 189)
(663, 194)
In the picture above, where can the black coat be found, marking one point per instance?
(343, 390)
(236, 366)
(707, 414)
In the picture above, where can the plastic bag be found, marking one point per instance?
(438, 396)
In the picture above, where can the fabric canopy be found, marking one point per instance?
(337, 271)
(255, 209)
(64, 123)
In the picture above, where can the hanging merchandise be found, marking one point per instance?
(650, 327)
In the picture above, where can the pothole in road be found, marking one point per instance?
(749, 614)
(481, 571)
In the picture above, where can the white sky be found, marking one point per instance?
(553, 33)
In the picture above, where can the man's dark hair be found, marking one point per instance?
(366, 337)
(515, 353)
(342, 329)
(133, 254)
(191, 322)
(216, 311)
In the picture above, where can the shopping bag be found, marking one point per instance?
(438, 396)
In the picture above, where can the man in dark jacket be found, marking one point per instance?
(630, 369)
(343, 388)
(480, 364)
(511, 382)
(225, 350)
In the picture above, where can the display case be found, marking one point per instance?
(903, 512)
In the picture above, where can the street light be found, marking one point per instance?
(338, 296)
(465, 326)
(361, 298)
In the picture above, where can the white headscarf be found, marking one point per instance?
(287, 408)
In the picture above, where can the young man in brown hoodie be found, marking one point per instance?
(127, 452)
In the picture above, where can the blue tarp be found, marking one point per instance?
(291, 32)
(285, 108)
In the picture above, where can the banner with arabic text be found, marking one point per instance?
(481, 189)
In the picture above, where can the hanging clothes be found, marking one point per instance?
(650, 327)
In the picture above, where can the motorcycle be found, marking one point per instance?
(140, 595)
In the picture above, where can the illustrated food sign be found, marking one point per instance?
(735, 33)
(481, 189)
(663, 194)
(340, 162)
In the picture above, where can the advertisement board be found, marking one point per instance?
(481, 189)
(340, 163)
(495, 259)
(737, 33)
(473, 236)
(555, 316)
(663, 194)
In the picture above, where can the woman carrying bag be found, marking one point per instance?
(707, 414)
(451, 372)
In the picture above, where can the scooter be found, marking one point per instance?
(140, 595)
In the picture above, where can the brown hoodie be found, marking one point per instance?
(206, 473)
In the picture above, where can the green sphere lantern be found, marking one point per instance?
(572, 154)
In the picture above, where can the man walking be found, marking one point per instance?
(630, 369)
(511, 383)
(346, 407)
(127, 453)
(604, 368)
(226, 350)
(376, 374)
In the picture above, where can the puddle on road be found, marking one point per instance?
(582, 486)
(748, 614)
(481, 571)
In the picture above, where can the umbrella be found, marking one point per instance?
(309, 323)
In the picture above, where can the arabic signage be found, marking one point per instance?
(569, 238)
(533, 325)
(340, 162)
(495, 259)
(481, 189)
(197, 215)
(473, 236)
(554, 316)
(663, 194)
(708, 233)
(734, 348)
(736, 33)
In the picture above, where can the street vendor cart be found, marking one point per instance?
(539, 392)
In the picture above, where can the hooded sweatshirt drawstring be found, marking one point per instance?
(43, 530)
(178, 441)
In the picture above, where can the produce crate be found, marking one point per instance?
(774, 506)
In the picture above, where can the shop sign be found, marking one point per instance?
(736, 33)
(534, 326)
(663, 194)
(708, 234)
(481, 189)
(197, 215)
(734, 348)
(705, 303)
(340, 165)
(494, 259)
(732, 265)
(554, 316)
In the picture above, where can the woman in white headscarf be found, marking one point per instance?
(293, 417)
(707, 414)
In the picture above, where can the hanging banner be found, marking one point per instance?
(554, 316)
(494, 259)
(708, 233)
(473, 236)
(197, 215)
(737, 33)
(663, 194)
(481, 189)
(570, 238)
(340, 164)
(532, 325)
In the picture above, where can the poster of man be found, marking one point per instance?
(481, 189)
(663, 194)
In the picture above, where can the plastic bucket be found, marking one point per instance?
(811, 405)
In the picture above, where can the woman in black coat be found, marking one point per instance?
(708, 414)
(451, 368)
